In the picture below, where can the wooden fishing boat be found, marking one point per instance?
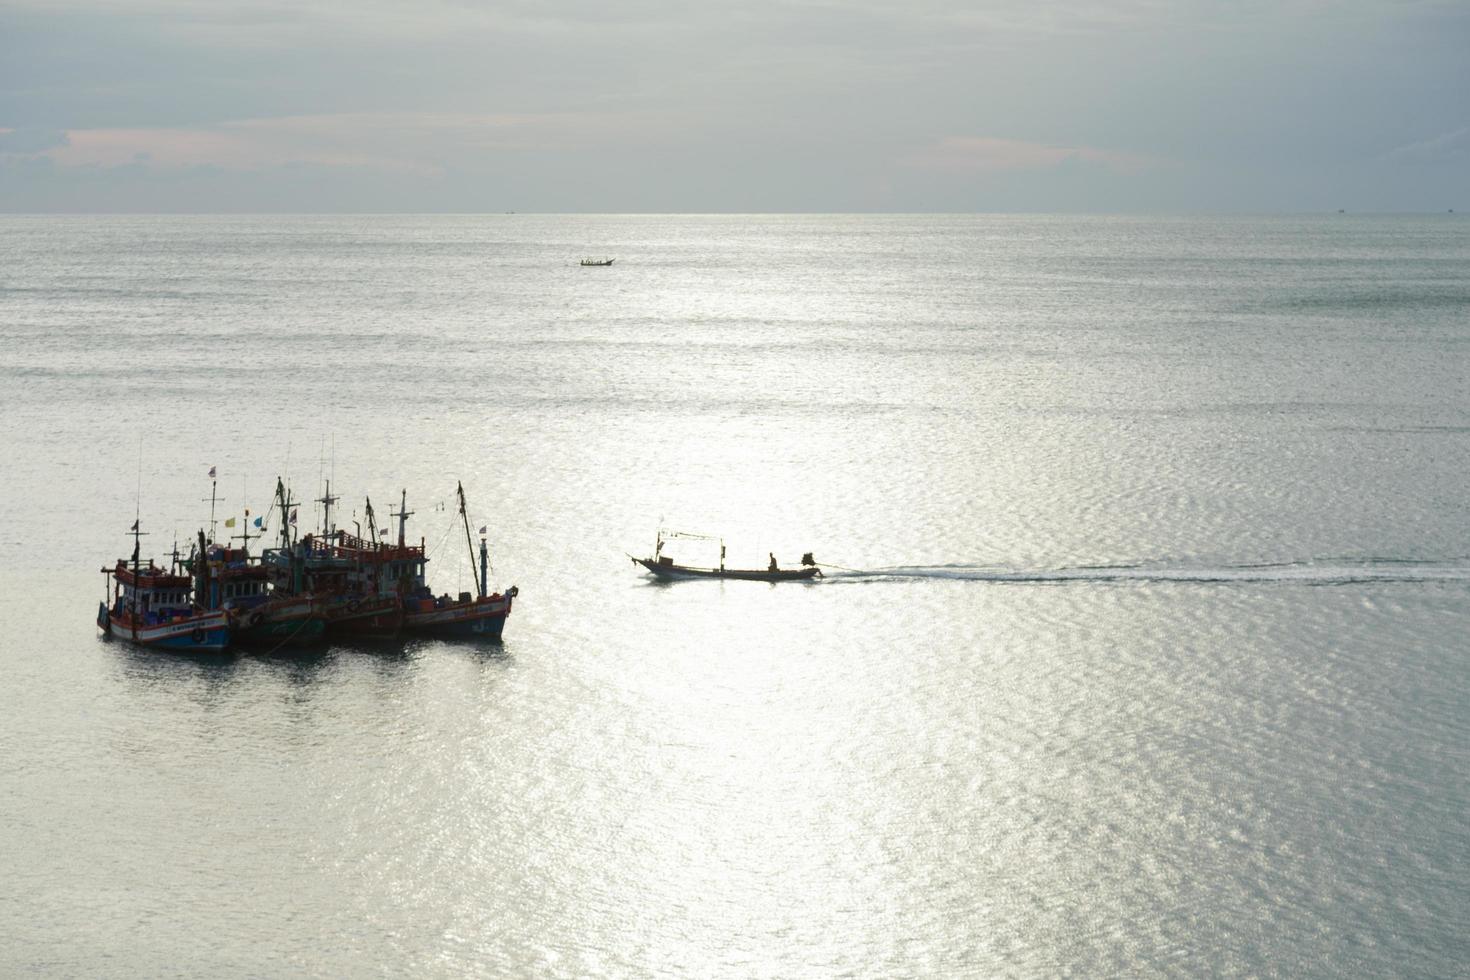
(597, 262)
(480, 616)
(664, 568)
(227, 578)
(155, 607)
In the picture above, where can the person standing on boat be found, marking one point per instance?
(773, 567)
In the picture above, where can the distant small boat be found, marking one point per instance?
(663, 567)
(597, 261)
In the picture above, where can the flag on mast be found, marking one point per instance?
(211, 472)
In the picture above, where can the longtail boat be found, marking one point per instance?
(155, 607)
(663, 567)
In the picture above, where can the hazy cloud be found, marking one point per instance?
(405, 142)
(1451, 147)
(964, 154)
(31, 140)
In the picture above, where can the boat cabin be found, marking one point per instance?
(149, 595)
(345, 563)
(235, 582)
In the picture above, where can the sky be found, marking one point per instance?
(735, 106)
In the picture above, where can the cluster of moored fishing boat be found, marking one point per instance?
(302, 592)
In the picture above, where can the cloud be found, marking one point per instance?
(401, 142)
(31, 140)
(1451, 147)
(980, 154)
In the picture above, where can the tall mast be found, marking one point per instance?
(133, 618)
(136, 548)
(244, 536)
(327, 500)
(479, 588)
(213, 497)
(283, 500)
(372, 522)
(403, 515)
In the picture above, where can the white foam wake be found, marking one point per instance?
(1330, 571)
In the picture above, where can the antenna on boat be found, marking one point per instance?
(138, 503)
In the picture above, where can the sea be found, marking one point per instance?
(1143, 646)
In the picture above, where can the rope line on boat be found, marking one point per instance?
(435, 550)
(289, 638)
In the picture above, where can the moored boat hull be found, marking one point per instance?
(207, 633)
(377, 617)
(278, 622)
(480, 619)
(296, 633)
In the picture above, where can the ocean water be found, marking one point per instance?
(1144, 647)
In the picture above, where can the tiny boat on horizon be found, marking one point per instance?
(597, 262)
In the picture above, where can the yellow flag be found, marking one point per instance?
(230, 522)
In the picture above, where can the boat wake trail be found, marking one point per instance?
(1325, 571)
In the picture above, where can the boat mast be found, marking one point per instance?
(244, 536)
(484, 565)
(213, 483)
(372, 522)
(327, 501)
(479, 586)
(403, 514)
(203, 590)
(137, 534)
(283, 501)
